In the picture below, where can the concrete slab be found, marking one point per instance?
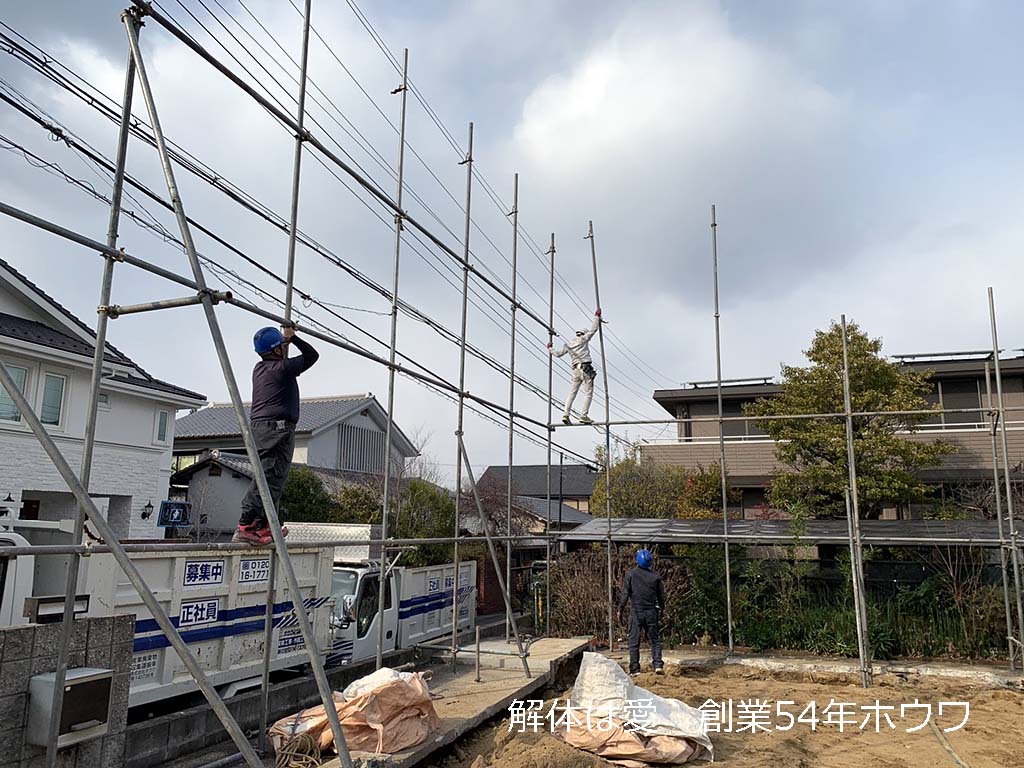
(464, 704)
(982, 674)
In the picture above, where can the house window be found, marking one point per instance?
(103, 401)
(53, 399)
(961, 393)
(215, 470)
(8, 410)
(161, 426)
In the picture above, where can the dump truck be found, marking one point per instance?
(217, 600)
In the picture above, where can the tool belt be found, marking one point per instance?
(588, 370)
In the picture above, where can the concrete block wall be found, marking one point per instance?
(31, 650)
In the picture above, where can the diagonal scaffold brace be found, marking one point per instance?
(315, 660)
(485, 524)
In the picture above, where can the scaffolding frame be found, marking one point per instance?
(1009, 544)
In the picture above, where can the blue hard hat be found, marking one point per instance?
(644, 559)
(267, 339)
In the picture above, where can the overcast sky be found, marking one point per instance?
(862, 157)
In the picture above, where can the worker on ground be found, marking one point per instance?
(273, 416)
(644, 590)
(583, 373)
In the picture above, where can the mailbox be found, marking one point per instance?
(85, 713)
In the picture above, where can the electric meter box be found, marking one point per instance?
(85, 714)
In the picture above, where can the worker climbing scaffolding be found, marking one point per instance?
(583, 371)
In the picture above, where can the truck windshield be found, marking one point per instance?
(343, 583)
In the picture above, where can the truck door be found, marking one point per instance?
(367, 618)
(16, 579)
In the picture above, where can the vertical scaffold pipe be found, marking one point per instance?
(512, 396)
(1014, 544)
(392, 353)
(853, 517)
(721, 434)
(88, 444)
(551, 371)
(998, 495)
(607, 439)
(468, 162)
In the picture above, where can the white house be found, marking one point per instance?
(340, 438)
(49, 353)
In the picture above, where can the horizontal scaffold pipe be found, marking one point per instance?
(227, 298)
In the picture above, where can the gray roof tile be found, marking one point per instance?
(531, 479)
(219, 420)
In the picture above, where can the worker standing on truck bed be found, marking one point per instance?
(583, 373)
(273, 416)
(644, 589)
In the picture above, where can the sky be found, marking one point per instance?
(860, 156)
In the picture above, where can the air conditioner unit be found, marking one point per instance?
(85, 713)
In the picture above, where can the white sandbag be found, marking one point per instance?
(374, 680)
(603, 688)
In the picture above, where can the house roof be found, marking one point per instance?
(536, 507)
(948, 366)
(239, 463)
(830, 531)
(80, 341)
(218, 420)
(577, 480)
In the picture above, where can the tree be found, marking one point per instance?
(640, 487)
(428, 511)
(814, 450)
(308, 499)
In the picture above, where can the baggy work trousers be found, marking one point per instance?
(646, 622)
(275, 442)
(580, 378)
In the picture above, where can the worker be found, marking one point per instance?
(644, 590)
(273, 416)
(583, 373)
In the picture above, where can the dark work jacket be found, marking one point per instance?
(275, 390)
(644, 588)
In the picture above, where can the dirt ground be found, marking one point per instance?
(993, 736)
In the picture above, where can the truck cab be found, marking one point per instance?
(356, 592)
(417, 606)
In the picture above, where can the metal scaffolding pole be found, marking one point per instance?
(721, 432)
(512, 396)
(853, 521)
(289, 289)
(89, 441)
(607, 439)
(998, 495)
(485, 523)
(1014, 546)
(468, 162)
(392, 352)
(316, 663)
(550, 431)
(136, 579)
(300, 138)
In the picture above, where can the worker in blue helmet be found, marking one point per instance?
(644, 590)
(273, 416)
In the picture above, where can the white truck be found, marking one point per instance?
(218, 602)
(422, 611)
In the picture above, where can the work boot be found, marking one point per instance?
(246, 534)
(586, 420)
(265, 531)
(565, 420)
(659, 670)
